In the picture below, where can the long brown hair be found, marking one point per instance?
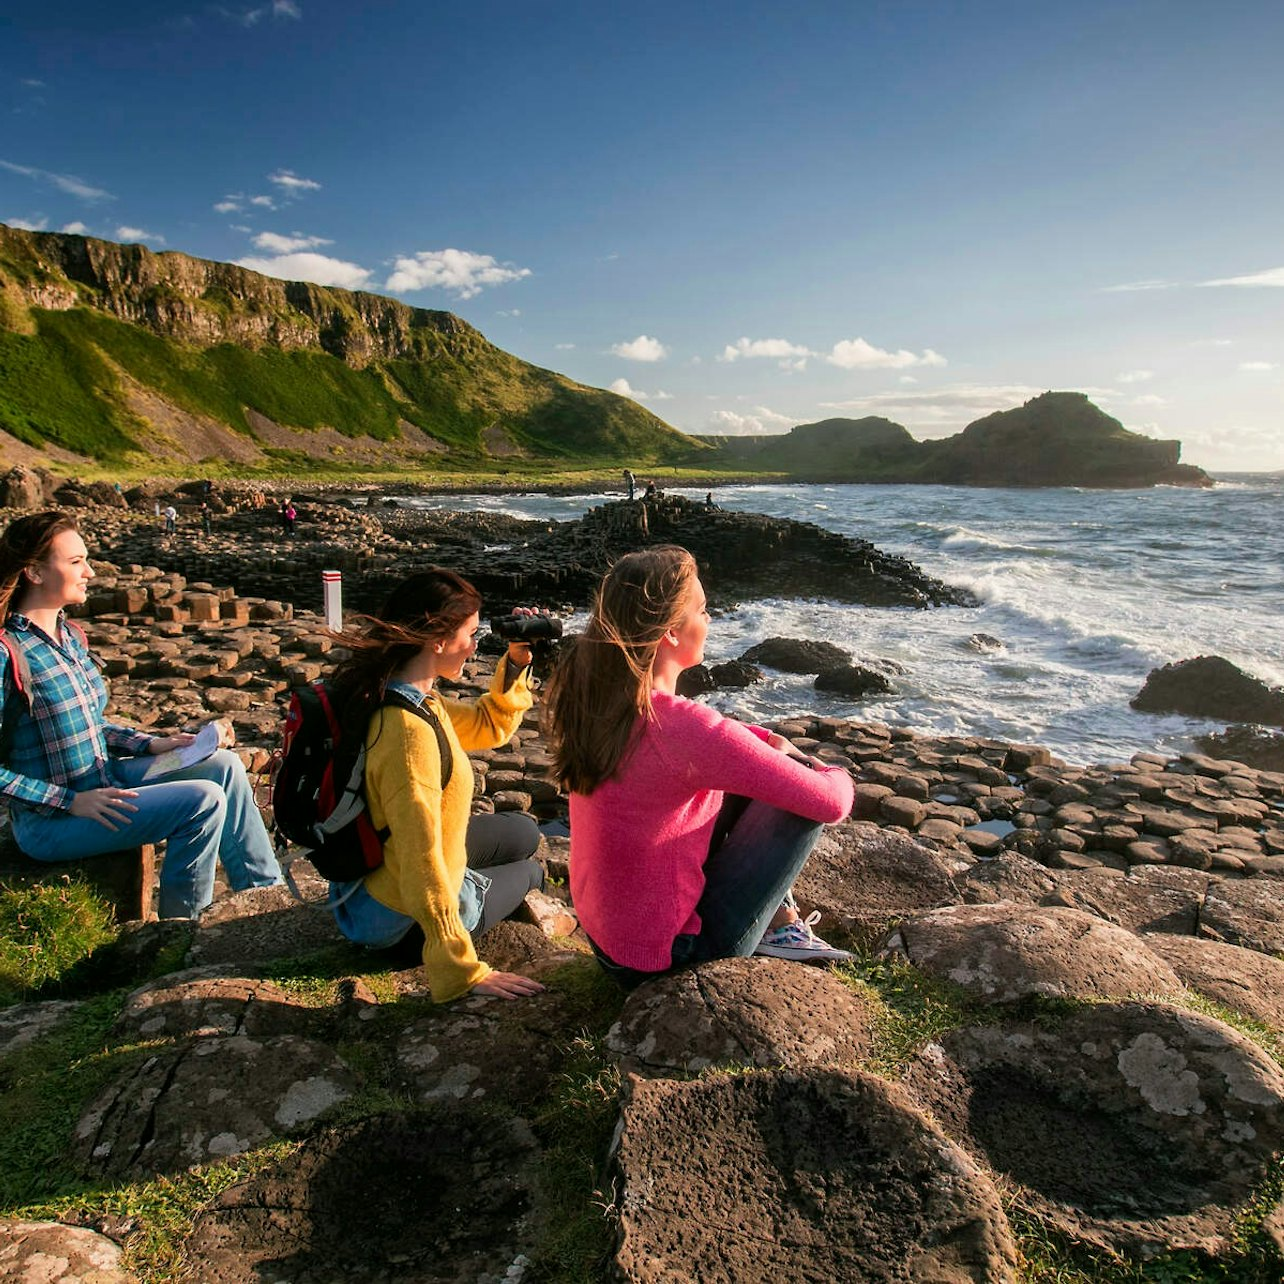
(423, 608)
(602, 683)
(25, 542)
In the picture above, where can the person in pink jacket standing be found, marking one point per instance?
(687, 828)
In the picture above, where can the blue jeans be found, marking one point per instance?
(500, 843)
(746, 878)
(204, 813)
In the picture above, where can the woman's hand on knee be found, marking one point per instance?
(508, 985)
(110, 807)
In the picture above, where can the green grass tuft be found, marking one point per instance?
(46, 931)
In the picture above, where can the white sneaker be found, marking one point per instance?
(796, 940)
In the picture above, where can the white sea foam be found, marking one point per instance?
(1087, 590)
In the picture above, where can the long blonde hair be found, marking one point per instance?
(602, 683)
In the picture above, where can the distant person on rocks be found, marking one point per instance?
(688, 829)
(630, 481)
(75, 782)
(171, 519)
(446, 878)
(205, 517)
(651, 491)
(291, 518)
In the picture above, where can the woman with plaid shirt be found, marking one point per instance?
(75, 782)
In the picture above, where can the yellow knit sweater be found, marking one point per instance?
(424, 857)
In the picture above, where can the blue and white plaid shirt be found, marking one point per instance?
(60, 746)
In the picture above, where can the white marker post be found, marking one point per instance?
(332, 585)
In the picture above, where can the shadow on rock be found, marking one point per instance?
(440, 1197)
(1134, 1127)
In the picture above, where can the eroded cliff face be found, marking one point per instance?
(204, 303)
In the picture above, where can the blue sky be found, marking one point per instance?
(745, 215)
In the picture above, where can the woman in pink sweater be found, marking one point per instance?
(687, 828)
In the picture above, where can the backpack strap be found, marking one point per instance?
(17, 682)
(398, 701)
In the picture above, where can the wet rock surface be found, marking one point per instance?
(1130, 1126)
(757, 1176)
(450, 1196)
(741, 1012)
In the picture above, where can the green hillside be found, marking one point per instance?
(113, 352)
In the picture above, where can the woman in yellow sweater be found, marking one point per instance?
(431, 883)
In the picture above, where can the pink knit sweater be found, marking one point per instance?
(639, 841)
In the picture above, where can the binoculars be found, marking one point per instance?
(526, 628)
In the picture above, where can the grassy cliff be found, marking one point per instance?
(117, 354)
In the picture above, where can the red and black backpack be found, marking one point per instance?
(318, 781)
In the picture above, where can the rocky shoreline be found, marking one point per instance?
(1143, 1116)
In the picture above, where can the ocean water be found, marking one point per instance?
(1085, 591)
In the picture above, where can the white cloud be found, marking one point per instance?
(229, 205)
(1149, 399)
(857, 354)
(75, 229)
(316, 268)
(1272, 276)
(509, 312)
(274, 243)
(68, 183)
(762, 421)
(252, 17)
(461, 271)
(661, 395)
(127, 233)
(1130, 286)
(28, 225)
(1212, 343)
(1135, 376)
(777, 349)
(1258, 365)
(291, 183)
(622, 388)
(264, 202)
(564, 347)
(943, 410)
(643, 348)
(907, 379)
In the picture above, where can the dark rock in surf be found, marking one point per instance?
(853, 681)
(797, 655)
(1210, 687)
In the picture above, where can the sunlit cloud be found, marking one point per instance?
(1150, 399)
(761, 421)
(1259, 365)
(274, 243)
(127, 233)
(277, 9)
(230, 205)
(1212, 343)
(75, 229)
(1135, 376)
(772, 349)
(857, 354)
(28, 225)
(941, 411)
(1272, 277)
(462, 272)
(1129, 287)
(564, 347)
(317, 268)
(264, 202)
(643, 348)
(291, 183)
(68, 183)
(622, 388)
